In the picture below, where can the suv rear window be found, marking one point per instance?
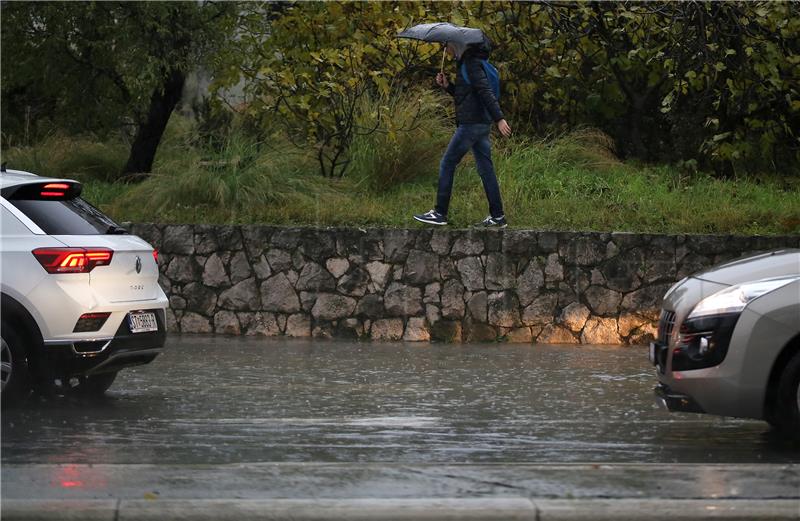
(67, 216)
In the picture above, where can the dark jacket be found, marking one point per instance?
(475, 102)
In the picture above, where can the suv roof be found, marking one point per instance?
(19, 177)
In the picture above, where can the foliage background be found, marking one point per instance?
(643, 116)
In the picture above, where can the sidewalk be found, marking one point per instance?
(333, 491)
(440, 509)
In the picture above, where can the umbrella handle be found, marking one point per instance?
(444, 53)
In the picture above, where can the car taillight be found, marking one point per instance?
(54, 190)
(90, 322)
(155, 256)
(72, 260)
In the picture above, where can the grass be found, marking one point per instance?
(570, 182)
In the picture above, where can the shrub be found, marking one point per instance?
(400, 138)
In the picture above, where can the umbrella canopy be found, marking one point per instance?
(443, 32)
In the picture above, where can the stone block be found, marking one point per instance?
(470, 270)
(194, 323)
(277, 294)
(475, 332)
(178, 239)
(503, 309)
(467, 244)
(417, 330)
(318, 244)
(500, 272)
(541, 311)
(387, 329)
(211, 238)
(556, 334)
(601, 331)
(183, 269)
(453, 300)
(478, 305)
(432, 293)
(446, 331)
(261, 268)
(397, 244)
(441, 242)
(243, 296)
(371, 306)
(256, 239)
(259, 324)
(337, 266)
(240, 268)
(520, 242)
(421, 267)
(200, 299)
(603, 301)
(402, 300)
(226, 323)
(520, 335)
(354, 283)
(279, 260)
(298, 325)
(574, 316)
(332, 307)
(554, 270)
(583, 251)
(379, 273)
(530, 283)
(314, 277)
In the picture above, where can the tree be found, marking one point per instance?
(98, 66)
(312, 63)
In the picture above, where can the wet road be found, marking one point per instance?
(228, 401)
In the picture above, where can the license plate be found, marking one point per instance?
(142, 322)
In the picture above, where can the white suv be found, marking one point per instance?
(80, 296)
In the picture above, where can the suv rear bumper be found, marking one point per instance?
(93, 356)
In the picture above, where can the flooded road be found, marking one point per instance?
(226, 401)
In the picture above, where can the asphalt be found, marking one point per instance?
(222, 428)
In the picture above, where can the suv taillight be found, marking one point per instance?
(72, 260)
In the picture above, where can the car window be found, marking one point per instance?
(10, 225)
(66, 217)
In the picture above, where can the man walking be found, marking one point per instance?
(476, 108)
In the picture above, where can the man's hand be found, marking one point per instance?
(441, 80)
(503, 127)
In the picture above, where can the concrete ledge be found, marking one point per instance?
(443, 509)
(667, 509)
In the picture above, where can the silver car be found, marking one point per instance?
(729, 341)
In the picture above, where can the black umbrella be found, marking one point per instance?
(444, 32)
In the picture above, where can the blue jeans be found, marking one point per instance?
(466, 137)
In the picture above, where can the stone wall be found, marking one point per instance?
(422, 284)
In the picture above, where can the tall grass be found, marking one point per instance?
(84, 157)
(239, 180)
(399, 139)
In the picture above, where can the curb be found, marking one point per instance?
(444, 509)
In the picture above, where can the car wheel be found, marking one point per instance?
(13, 367)
(787, 408)
(94, 385)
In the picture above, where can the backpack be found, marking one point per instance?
(491, 74)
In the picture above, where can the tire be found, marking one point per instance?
(95, 385)
(786, 416)
(14, 367)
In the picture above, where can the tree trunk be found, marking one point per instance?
(149, 132)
